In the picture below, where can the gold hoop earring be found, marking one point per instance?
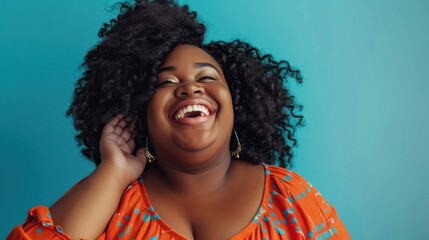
(149, 156)
(236, 153)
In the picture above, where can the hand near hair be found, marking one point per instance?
(85, 210)
(116, 147)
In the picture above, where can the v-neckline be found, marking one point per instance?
(246, 229)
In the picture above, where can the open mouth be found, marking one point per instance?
(191, 111)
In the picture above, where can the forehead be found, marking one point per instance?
(188, 54)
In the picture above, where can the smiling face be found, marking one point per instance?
(191, 109)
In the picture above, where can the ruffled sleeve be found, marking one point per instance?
(38, 225)
(134, 217)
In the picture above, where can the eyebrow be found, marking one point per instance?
(196, 65)
(205, 64)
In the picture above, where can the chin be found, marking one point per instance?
(196, 142)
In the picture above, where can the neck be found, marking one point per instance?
(196, 181)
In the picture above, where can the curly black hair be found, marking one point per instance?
(120, 71)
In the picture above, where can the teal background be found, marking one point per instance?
(365, 146)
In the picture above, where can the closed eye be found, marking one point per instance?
(206, 78)
(165, 83)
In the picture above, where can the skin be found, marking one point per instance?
(190, 76)
(85, 210)
(194, 186)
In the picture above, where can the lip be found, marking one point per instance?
(194, 101)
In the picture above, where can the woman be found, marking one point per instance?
(183, 135)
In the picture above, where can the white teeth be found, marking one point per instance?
(181, 114)
(191, 108)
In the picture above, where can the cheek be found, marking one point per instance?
(156, 108)
(223, 97)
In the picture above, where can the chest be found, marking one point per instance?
(208, 220)
(218, 217)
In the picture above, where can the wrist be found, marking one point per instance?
(112, 174)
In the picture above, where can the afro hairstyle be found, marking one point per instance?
(120, 72)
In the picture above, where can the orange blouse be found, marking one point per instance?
(291, 208)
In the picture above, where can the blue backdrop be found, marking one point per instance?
(365, 146)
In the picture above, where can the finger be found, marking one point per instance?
(127, 133)
(121, 126)
(111, 124)
(118, 130)
(115, 120)
(132, 144)
(141, 155)
(122, 122)
(124, 146)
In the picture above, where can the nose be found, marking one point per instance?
(189, 89)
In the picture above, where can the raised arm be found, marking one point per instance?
(85, 210)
